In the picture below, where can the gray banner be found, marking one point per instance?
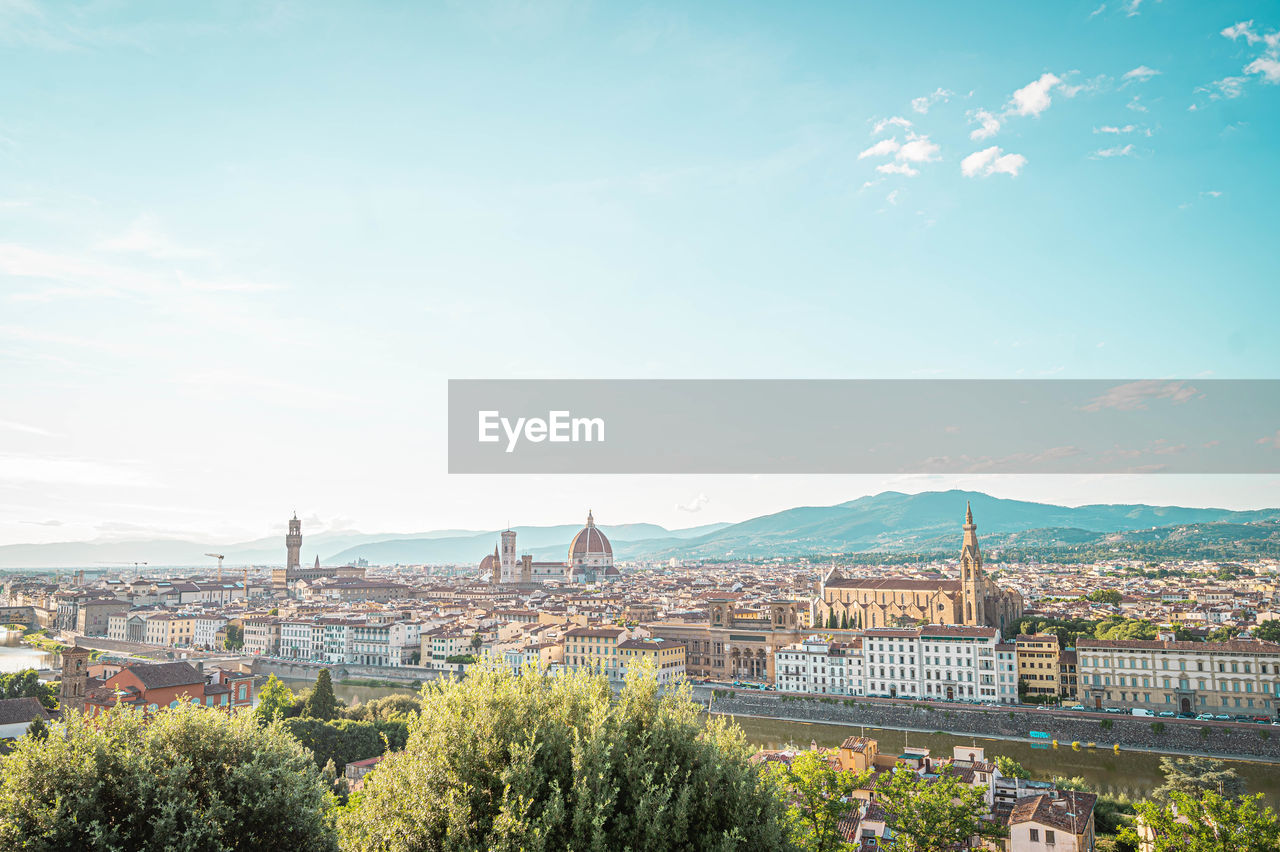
(864, 426)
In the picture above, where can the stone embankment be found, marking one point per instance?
(298, 670)
(1147, 733)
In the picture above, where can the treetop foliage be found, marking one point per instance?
(504, 761)
(189, 779)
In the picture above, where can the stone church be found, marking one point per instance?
(972, 598)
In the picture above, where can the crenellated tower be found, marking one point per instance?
(293, 542)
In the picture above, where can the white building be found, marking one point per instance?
(939, 662)
(205, 630)
(820, 666)
(1007, 672)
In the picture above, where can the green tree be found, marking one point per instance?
(1206, 822)
(932, 815)
(388, 708)
(38, 729)
(345, 740)
(1011, 768)
(1195, 775)
(503, 762)
(818, 798)
(189, 779)
(1108, 596)
(844, 621)
(1268, 631)
(275, 700)
(26, 684)
(235, 637)
(320, 702)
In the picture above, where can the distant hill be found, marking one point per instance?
(437, 547)
(890, 522)
(927, 522)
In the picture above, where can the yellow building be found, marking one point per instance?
(171, 630)
(1039, 664)
(595, 648)
(859, 603)
(666, 656)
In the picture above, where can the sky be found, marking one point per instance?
(243, 246)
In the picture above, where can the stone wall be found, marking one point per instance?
(341, 671)
(1156, 734)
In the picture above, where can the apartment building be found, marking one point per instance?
(1238, 677)
(1039, 664)
(1007, 672)
(820, 666)
(665, 656)
(595, 648)
(940, 662)
(208, 631)
(171, 630)
(262, 636)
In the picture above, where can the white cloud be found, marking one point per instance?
(923, 103)
(918, 149)
(896, 120)
(1098, 11)
(145, 237)
(1212, 193)
(1267, 66)
(1132, 7)
(1118, 151)
(992, 161)
(1245, 30)
(697, 504)
(1141, 74)
(989, 124)
(1135, 104)
(1033, 98)
(892, 197)
(1228, 88)
(883, 148)
(1128, 128)
(26, 428)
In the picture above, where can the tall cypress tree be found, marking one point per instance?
(321, 703)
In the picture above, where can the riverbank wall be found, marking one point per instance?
(297, 670)
(1151, 734)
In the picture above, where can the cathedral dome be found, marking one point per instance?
(589, 542)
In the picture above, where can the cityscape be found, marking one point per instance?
(1088, 656)
(563, 426)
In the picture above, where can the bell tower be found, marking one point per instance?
(972, 588)
(75, 678)
(293, 542)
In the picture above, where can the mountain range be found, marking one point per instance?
(890, 522)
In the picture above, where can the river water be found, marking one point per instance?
(1134, 773)
(14, 656)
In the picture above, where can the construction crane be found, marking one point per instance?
(219, 557)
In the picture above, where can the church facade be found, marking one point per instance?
(971, 599)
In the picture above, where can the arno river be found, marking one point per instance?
(1133, 772)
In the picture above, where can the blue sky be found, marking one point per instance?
(244, 245)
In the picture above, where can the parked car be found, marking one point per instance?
(1222, 717)
(1186, 715)
(1076, 707)
(1262, 720)
(1113, 710)
(1205, 717)
(1167, 714)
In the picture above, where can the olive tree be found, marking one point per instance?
(507, 761)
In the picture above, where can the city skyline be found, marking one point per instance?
(237, 265)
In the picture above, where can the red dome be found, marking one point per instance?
(590, 541)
